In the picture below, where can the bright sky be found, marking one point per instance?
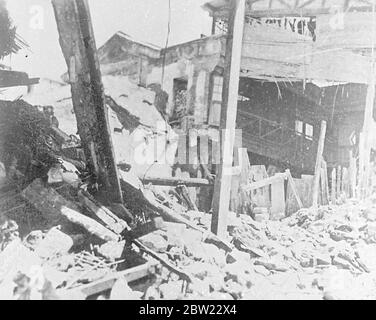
(145, 20)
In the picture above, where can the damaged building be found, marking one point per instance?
(115, 183)
(288, 84)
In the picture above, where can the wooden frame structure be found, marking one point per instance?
(280, 8)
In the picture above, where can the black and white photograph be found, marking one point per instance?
(195, 150)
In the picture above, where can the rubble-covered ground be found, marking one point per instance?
(327, 253)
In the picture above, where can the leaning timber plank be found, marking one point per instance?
(183, 275)
(293, 188)
(171, 215)
(89, 224)
(174, 181)
(108, 282)
(266, 182)
(111, 220)
(50, 203)
(148, 200)
(184, 193)
(78, 45)
(222, 187)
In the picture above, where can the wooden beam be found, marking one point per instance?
(170, 215)
(334, 186)
(365, 143)
(112, 221)
(306, 9)
(320, 150)
(96, 287)
(266, 182)
(293, 188)
(176, 181)
(221, 197)
(325, 181)
(54, 206)
(78, 45)
(352, 174)
(339, 180)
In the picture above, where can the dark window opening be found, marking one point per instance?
(180, 102)
(304, 129)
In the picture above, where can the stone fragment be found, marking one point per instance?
(155, 242)
(112, 249)
(261, 270)
(54, 243)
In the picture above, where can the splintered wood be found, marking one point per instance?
(78, 45)
(52, 204)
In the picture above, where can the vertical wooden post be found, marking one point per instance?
(278, 202)
(320, 150)
(345, 181)
(78, 45)
(360, 165)
(339, 180)
(364, 141)
(221, 196)
(324, 184)
(240, 199)
(352, 174)
(293, 188)
(334, 186)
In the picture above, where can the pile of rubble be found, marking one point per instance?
(314, 254)
(57, 240)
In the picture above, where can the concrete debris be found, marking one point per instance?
(122, 291)
(54, 243)
(87, 249)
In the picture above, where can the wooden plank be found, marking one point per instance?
(288, 8)
(325, 181)
(50, 203)
(184, 193)
(96, 287)
(339, 180)
(240, 199)
(181, 273)
(334, 186)
(170, 215)
(277, 178)
(221, 197)
(360, 165)
(352, 174)
(113, 222)
(260, 197)
(306, 196)
(278, 201)
(293, 188)
(79, 49)
(176, 181)
(346, 182)
(316, 179)
(367, 131)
